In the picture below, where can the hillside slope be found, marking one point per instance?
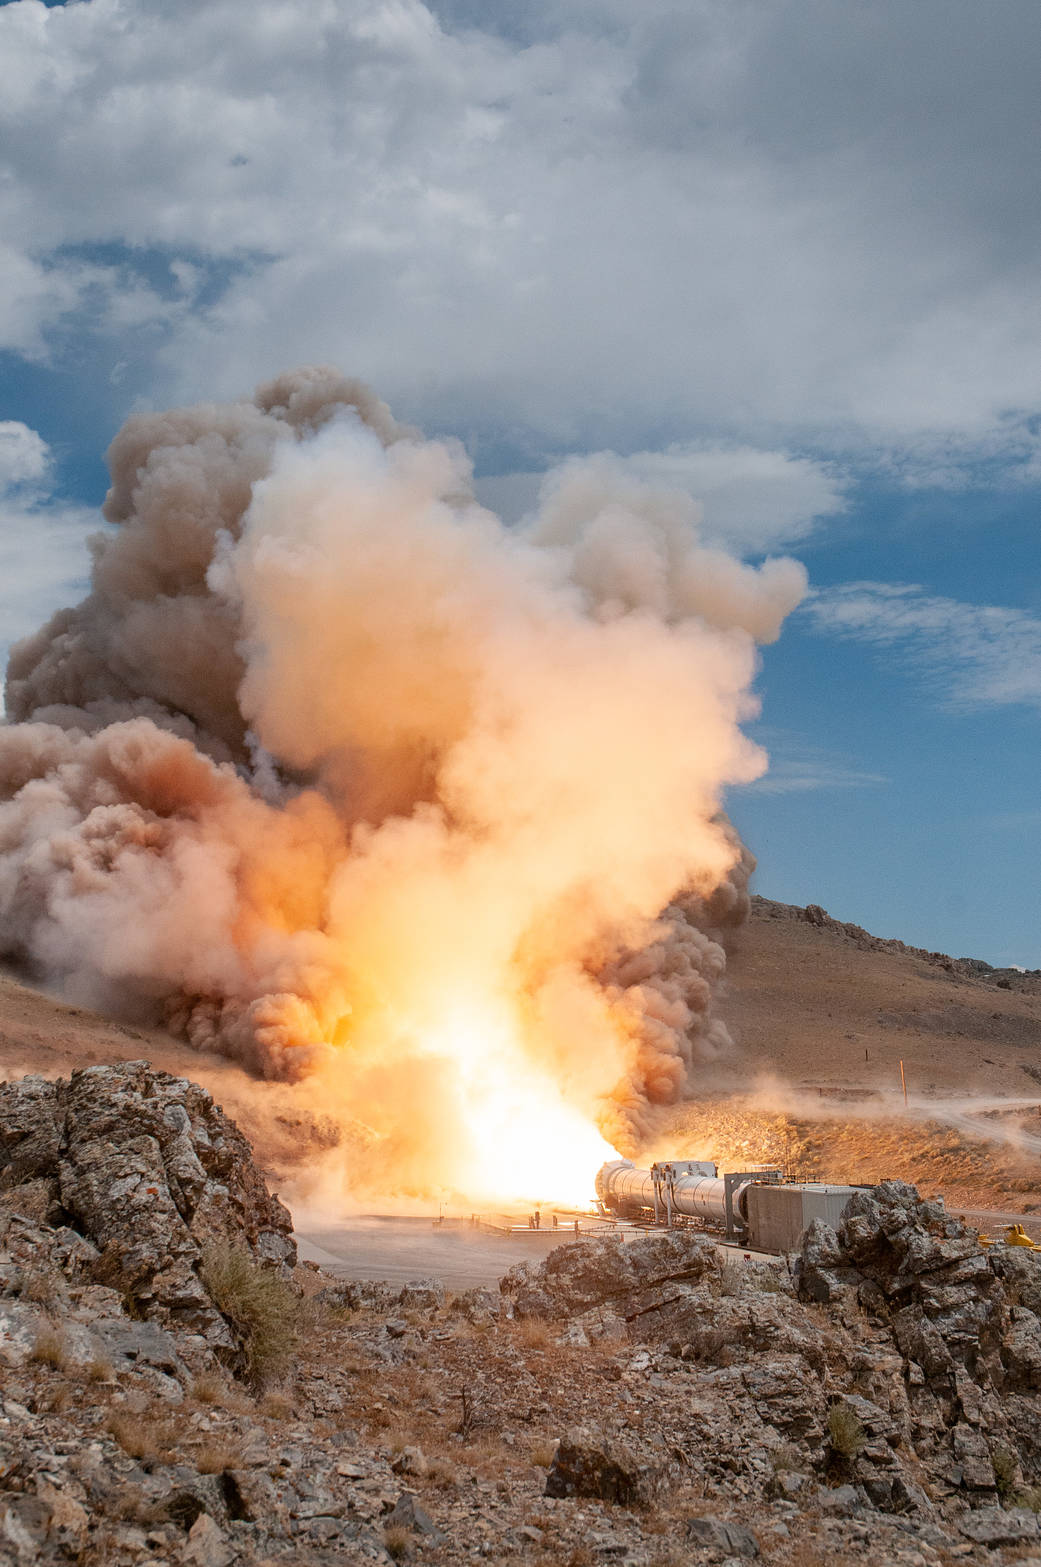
(826, 1005)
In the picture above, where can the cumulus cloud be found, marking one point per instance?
(750, 499)
(970, 654)
(634, 221)
(43, 552)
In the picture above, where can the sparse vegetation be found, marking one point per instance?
(56, 1399)
(440, 1473)
(141, 1438)
(787, 1457)
(213, 1458)
(42, 1286)
(534, 1333)
(1005, 1470)
(845, 1432)
(542, 1454)
(99, 1369)
(397, 1541)
(277, 1406)
(262, 1309)
(209, 1389)
(50, 1349)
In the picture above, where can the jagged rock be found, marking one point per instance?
(1021, 1350)
(586, 1463)
(207, 1546)
(839, 1500)
(150, 1171)
(30, 1133)
(573, 1279)
(422, 1295)
(787, 1395)
(478, 1305)
(993, 1526)
(1019, 1268)
(730, 1539)
(407, 1514)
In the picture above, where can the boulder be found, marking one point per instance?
(573, 1279)
(729, 1539)
(587, 1463)
(149, 1172)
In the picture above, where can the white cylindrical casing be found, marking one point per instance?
(624, 1189)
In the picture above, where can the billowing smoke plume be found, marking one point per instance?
(346, 778)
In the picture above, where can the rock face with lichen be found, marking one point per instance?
(146, 1171)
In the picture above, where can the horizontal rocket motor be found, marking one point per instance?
(687, 1187)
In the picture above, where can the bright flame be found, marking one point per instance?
(522, 1141)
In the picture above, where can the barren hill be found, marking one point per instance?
(826, 1005)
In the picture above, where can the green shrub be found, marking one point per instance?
(261, 1308)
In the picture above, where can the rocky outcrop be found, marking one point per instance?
(917, 1385)
(137, 1173)
(630, 1403)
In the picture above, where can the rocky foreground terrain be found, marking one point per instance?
(173, 1389)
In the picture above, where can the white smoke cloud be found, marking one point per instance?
(348, 778)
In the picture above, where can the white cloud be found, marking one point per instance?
(792, 775)
(798, 766)
(24, 456)
(971, 654)
(752, 500)
(587, 222)
(43, 554)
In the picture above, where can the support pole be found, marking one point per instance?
(903, 1083)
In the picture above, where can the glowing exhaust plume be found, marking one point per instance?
(356, 785)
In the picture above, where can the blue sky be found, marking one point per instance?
(783, 253)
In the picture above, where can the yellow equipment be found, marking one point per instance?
(1015, 1235)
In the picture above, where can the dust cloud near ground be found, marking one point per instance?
(822, 1020)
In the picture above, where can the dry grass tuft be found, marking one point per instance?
(440, 1473)
(534, 1332)
(57, 1399)
(50, 1349)
(209, 1389)
(845, 1431)
(263, 1310)
(277, 1406)
(99, 1369)
(141, 1438)
(543, 1453)
(42, 1286)
(212, 1458)
(397, 1542)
